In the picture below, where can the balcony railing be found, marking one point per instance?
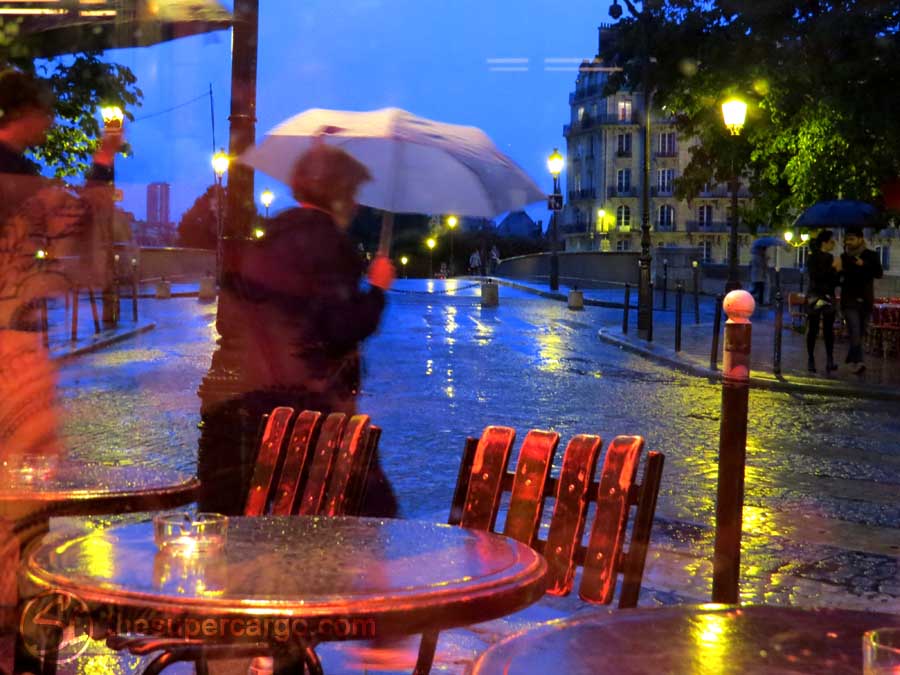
(616, 192)
(657, 191)
(665, 227)
(623, 153)
(720, 191)
(583, 93)
(666, 153)
(589, 193)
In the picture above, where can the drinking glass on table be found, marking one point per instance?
(881, 651)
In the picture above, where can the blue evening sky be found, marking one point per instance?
(435, 58)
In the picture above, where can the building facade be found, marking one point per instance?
(157, 230)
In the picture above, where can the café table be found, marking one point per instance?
(294, 580)
(691, 639)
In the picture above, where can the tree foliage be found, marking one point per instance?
(819, 78)
(199, 224)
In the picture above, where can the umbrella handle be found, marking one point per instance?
(387, 234)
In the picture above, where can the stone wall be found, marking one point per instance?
(585, 269)
(191, 263)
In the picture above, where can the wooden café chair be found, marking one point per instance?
(307, 464)
(618, 498)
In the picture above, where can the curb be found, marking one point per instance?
(765, 381)
(551, 295)
(102, 342)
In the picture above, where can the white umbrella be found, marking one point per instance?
(418, 165)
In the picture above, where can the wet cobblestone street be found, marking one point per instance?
(823, 476)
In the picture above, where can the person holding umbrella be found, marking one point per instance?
(295, 307)
(859, 269)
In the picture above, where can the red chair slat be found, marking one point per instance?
(267, 461)
(296, 461)
(486, 478)
(620, 465)
(569, 513)
(352, 453)
(320, 469)
(633, 564)
(532, 470)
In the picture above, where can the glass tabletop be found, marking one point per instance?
(696, 640)
(299, 566)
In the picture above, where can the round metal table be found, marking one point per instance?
(316, 579)
(695, 640)
(74, 488)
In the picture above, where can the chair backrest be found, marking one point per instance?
(483, 477)
(308, 465)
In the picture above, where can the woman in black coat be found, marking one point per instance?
(824, 270)
(292, 314)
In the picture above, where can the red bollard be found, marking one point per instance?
(738, 306)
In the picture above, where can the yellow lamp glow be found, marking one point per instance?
(555, 163)
(430, 242)
(112, 115)
(804, 237)
(40, 254)
(734, 111)
(789, 236)
(452, 221)
(220, 162)
(404, 260)
(267, 197)
(258, 232)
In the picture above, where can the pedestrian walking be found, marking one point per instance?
(823, 269)
(860, 267)
(298, 315)
(495, 259)
(475, 262)
(759, 271)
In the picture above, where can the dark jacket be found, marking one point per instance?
(823, 278)
(857, 281)
(294, 299)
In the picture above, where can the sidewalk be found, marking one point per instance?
(880, 381)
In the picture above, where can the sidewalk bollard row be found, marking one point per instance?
(717, 328)
(627, 306)
(207, 290)
(779, 327)
(739, 306)
(163, 290)
(490, 294)
(576, 300)
(679, 299)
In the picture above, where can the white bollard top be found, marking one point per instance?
(739, 306)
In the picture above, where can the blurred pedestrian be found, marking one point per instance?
(823, 269)
(495, 259)
(297, 314)
(759, 271)
(860, 267)
(475, 262)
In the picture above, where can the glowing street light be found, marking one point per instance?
(430, 243)
(403, 261)
(734, 112)
(267, 197)
(220, 162)
(452, 222)
(112, 115)
(555, 164)
(258, 232)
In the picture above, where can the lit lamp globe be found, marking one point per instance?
(789, 236)
(555, 163)
(430, 243)
(452, 221)
(734, 112)
(220, 163)
(404, 260)
(267, 197)
(259, 233)
(112, 116)
(804, 237)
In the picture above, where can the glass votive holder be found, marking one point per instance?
(881, 651)
(185, 534)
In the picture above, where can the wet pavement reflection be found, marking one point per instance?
(823, 477)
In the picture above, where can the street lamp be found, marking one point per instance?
(259, 232)
(734, 112)
(220, 162)
(267, 197)
(113, 117)
(430, 243)
(403, 261)
(555, 163)
(452, 222)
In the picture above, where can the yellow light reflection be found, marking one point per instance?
(98, 555)
(550, 350)
(710, 635)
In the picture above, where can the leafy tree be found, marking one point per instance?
(199, 224)
(817, 77)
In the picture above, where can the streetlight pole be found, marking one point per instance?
(555, 163)
(452, 222)
(430, 243)
(267, 197)
(220, 163)
(645, 301)
(113, 117)
(734, 112)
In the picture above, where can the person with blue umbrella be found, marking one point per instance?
(860, 267)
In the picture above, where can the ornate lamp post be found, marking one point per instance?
(113, 117)
(267, 197)
(555, 163)
(452, 222)
(430, 243)
(734, 112)
(403, 261)
(220, 162)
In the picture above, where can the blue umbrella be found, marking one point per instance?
(840, 213)
(765, 242)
